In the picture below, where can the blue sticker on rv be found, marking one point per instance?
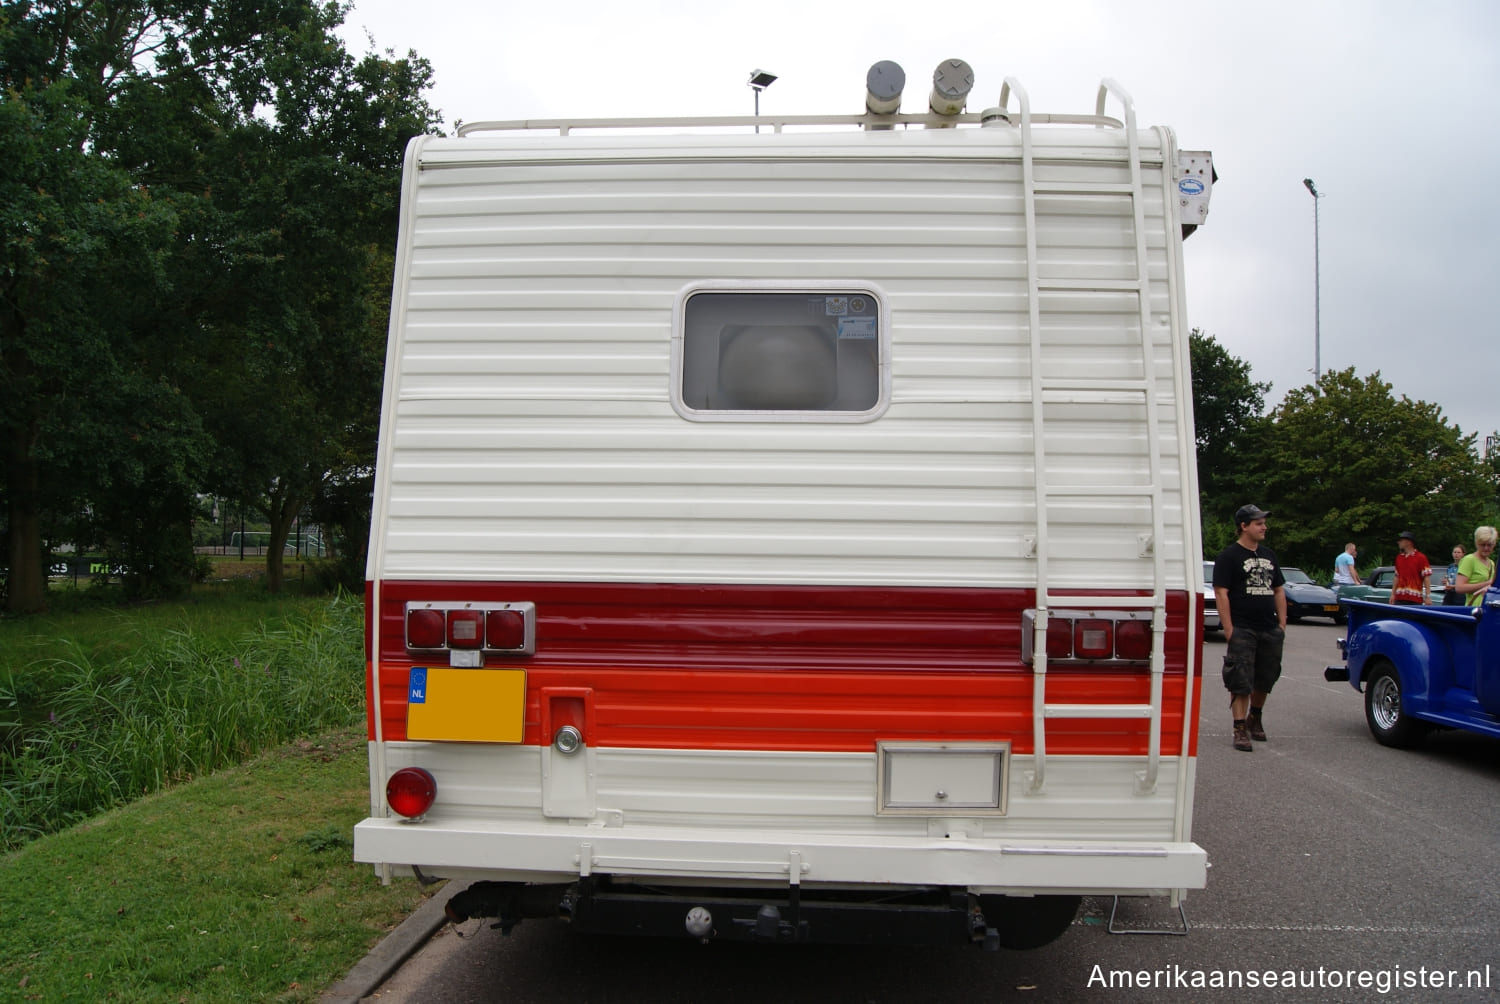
(856, 327)
(416, 688)
(1190, 186)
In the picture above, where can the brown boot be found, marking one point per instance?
(1256, 729)
(1242, 738)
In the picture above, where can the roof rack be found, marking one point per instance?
(778, 122)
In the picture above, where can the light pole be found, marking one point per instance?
(1317, 287)
(759, 81)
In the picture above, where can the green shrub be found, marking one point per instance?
(89, 729)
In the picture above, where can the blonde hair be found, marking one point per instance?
(1484, 535)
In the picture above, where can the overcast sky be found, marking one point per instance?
(1390, 108)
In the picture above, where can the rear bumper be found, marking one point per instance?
(544, 852)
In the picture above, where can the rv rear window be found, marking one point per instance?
(769, 353)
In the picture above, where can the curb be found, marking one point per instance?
(393, 950)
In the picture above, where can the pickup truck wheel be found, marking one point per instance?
(1388, 724)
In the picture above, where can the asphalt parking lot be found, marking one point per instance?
(1352, 871)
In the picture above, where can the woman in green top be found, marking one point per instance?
(1476, 572)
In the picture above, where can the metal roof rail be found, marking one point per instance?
(777, 123)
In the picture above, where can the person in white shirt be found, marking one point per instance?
(1344, 573)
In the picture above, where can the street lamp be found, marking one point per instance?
(759, 81)
(1317, 287)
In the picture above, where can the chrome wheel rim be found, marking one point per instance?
(1385, 702)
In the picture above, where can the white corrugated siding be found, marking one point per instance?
(1088, 797)
(530, 432)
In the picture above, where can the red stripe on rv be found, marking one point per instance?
(793, 668)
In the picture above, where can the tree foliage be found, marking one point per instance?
(1228, 421)
(1348, 460)
(195, 200)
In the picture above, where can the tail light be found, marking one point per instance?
(410, 792)
(1090, 637)
(466, 628)
(425, 629)
(1059, 638)
(467, 631)
(1093, 638)
(1133, 640)
(505, 630)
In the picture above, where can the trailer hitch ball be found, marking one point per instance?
(699, 922)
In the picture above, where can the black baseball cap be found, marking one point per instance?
(1406, 535)
(1248, 513)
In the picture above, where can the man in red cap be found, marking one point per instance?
(1413, 573)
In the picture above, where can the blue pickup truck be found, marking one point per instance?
(1424, 667)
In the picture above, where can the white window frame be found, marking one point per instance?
(832, 287)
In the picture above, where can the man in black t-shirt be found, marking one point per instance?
(1251, 600)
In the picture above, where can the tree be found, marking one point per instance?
(192, 193)
(1227, 418)
(1347, 460)
(81, 271)
(314, 200)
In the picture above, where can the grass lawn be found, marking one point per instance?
(178, 787)
(238, 886)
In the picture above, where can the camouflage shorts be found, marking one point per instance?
(1252, 660)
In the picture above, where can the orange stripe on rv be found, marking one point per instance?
(807, 668)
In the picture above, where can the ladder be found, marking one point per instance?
(1084, 392)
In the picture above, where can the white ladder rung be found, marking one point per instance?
(1136, 386)
(1097, 710)
(1092, 491)
(1088, 285)
(1083, 188)
(1093, 601)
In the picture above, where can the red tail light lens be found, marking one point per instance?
(410, 792)
(1094, 639)
(425, 629)
(1101, 639)
(465, 629)
(462, 630)
(1133, 640)
(505, 629)
(1059, 638)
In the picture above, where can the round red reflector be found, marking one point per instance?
(410, 792)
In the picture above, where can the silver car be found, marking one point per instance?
(1210, 609)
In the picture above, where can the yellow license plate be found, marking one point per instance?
(466, 705)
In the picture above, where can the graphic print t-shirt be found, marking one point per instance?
(1251, 578)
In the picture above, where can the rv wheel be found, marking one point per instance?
(1024, 922)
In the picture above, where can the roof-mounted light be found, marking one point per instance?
(883, 86)
(951, 83)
